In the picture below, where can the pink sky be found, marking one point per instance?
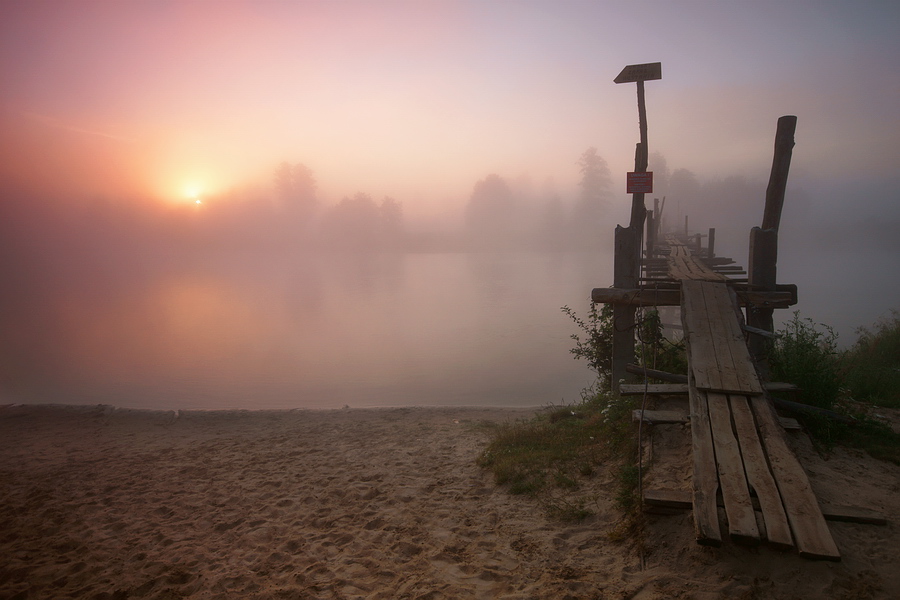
(419, 100)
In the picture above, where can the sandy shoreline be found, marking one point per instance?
(365, 503)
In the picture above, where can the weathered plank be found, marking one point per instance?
(659, 417)
(729, 340)
(730, 466)
(681, 499)
(676, 389)
(778, 532)
(701, 352)
(704, 481)
(810, 531)
(718, 356)
(683, 265)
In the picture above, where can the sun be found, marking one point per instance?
(193, 193)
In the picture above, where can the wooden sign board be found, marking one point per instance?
(640, 183)
(644, 72)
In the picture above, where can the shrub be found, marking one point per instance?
(871, 367)
(807, 357)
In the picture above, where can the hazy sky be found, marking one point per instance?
(420, 99)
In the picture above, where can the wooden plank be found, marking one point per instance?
(681, 499)
(852, 514)
(810, 531)
(778, 532)
(729, 341)
(683, 265)
(718, 356)
(732, 479)
(653, 389)
(704, 481)
(701, 353)
(660, 417)
(722, 347)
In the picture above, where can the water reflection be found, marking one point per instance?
(257, 330)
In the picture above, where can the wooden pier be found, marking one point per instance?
(740, 455)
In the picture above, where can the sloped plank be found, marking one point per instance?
(778, 532)
(808, 525)
(704, 481)
(729, 341)
(730, 467)
(718, 356)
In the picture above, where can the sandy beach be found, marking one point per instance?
(100, 503)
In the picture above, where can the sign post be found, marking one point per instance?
(627, 268)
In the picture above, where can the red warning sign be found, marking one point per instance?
(640, 183)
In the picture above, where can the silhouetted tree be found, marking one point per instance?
(391, 220)
(595, 185)
(490, 212)
(552, 233)
(354, 223)
(296, 188)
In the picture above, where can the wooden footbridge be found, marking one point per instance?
(741, 458)
(740, 455)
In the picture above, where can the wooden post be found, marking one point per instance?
(711, 243)
(763, 256)
(627, 268)
(651, 233)
(625, 276)
(685, 227)
(781, 165)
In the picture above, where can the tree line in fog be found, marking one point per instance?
(289, 214)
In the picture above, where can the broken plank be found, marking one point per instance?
(730, 466)
(810, 531)
(704, 481)
(778, 532)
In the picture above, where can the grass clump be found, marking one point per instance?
(550, 456)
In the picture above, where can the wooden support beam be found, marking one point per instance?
(650, 296)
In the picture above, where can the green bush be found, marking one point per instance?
(871, 367)
(594, 343)
(808, 357)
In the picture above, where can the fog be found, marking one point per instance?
(271, 298)
(316, 204)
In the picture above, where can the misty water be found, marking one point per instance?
(263, 330)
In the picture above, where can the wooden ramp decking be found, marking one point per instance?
(740, 453)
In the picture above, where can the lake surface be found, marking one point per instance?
(263, 331)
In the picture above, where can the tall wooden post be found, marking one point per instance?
(763, 257)
(627, 267)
